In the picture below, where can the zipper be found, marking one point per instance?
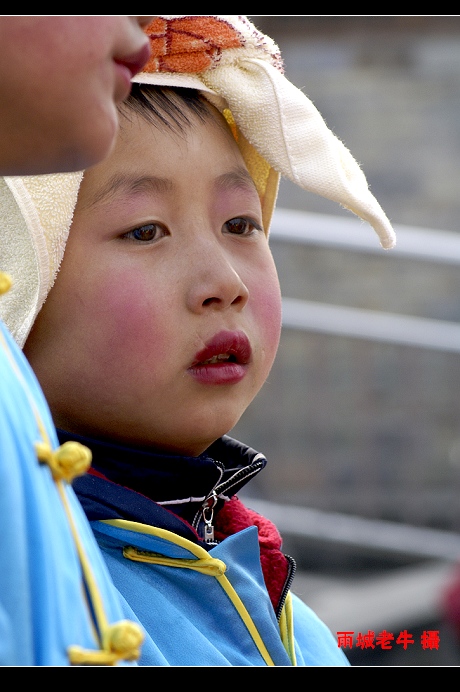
(203, 520)
(205, 516)
(287, 585)
(207, 513)
(251, 470)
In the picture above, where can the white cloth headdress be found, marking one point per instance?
(278, 130)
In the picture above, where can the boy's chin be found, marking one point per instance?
(190, 447)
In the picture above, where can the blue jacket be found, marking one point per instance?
(202, 573)
(57, 601)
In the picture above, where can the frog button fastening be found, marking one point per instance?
(68, 461)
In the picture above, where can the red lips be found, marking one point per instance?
(225, 346)
(223, 360)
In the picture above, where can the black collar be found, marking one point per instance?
(124, 480)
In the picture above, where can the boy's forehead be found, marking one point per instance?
(146, 160)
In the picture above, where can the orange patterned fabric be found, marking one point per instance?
(189, 44)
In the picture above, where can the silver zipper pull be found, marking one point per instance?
(208, 515)
(208, 532)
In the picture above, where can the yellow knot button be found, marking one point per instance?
(68, 461)
(124, 639)
(120, 641)
(5, 282)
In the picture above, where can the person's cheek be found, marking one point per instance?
(266, 301)
(135, 334)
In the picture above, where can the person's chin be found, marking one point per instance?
(100, 142)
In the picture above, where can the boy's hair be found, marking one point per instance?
(169, 107)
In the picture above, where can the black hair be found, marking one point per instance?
(162, 106)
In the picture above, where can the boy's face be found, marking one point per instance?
(61, 78)
(165, 318)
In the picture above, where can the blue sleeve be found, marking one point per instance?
(43, 605)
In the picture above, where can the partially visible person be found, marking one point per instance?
(162, 327)
(61, 80)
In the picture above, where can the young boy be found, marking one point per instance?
(161, 328)
(61, 79)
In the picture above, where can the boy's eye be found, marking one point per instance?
(151, 231)
(241, 226)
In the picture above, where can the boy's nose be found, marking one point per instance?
(216, 284)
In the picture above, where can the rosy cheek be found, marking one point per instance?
(135, 330)
(266, 301)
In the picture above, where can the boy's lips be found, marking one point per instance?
(223, 347)
(223, 360)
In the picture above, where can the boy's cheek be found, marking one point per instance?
(266, 301)
(134, 321)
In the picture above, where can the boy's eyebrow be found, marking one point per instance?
(239, 177)
(130, 183)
